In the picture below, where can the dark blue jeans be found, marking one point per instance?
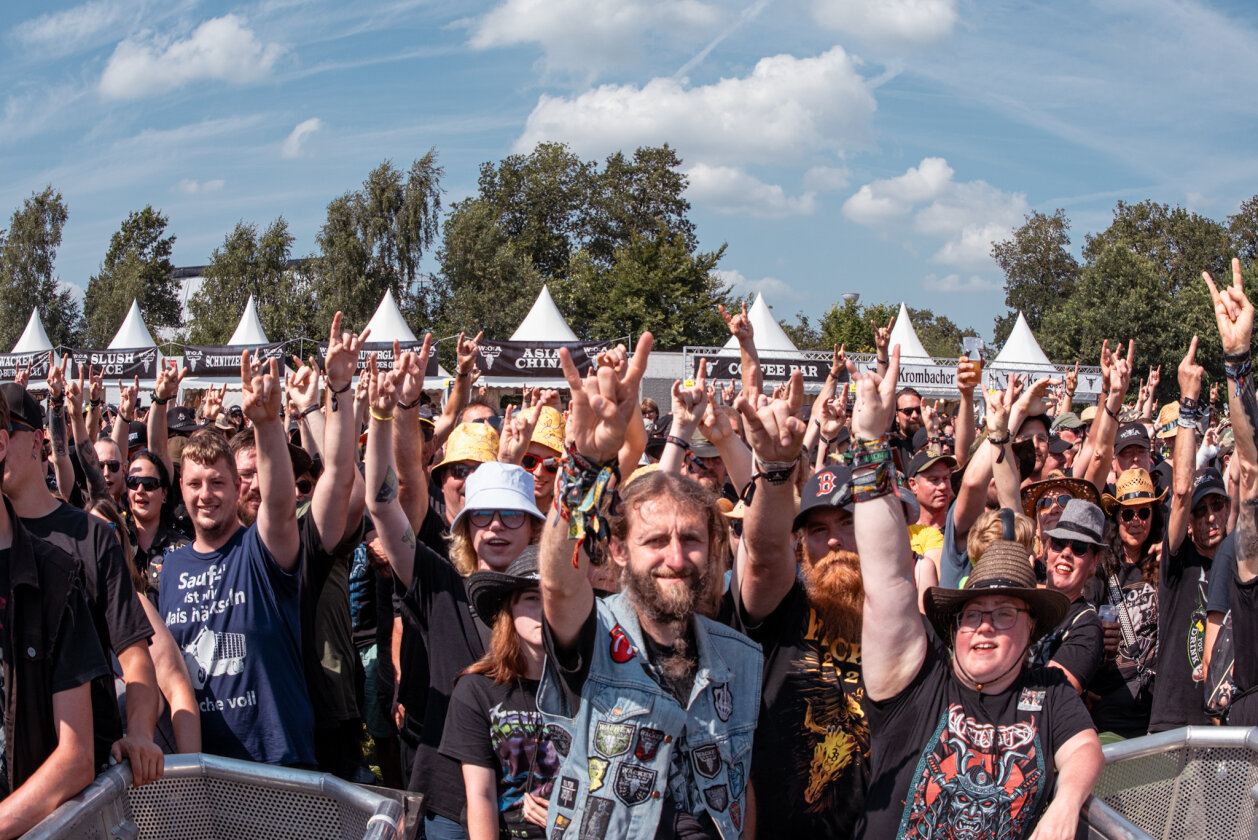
(441, 828)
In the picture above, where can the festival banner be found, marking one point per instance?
(536, 359)
(384, 355)
(36, 363)
(224, 360)
(724, 367)
(118, 364)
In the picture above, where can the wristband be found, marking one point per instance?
(306, 412)
(408, 406)
(156, 401)
(871, 457)
(579, 493)
(1186, 422)
(336, 404)
(462, 374)
(96, 403)
(1114, 414)
(773, 472)
(1236, 367)
(828, 441)
(999, 443)
(1188, 404)
(873, 484)
(375, 416)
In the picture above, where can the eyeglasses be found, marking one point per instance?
(510, 519)
(493, 420)
(912, 409)
(1212, 504)
(1077, 547)
(111, 466)
(1048, 501)
(1001, 618)
(1129, 514)
(147, 483)
(304, 485)
(532, 462)
(460, 471)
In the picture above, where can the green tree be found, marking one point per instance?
(1039, 270)
(137, 267)
(28, 250)
(847, 324)
(248, 264)
(1243, 230)
(373, 242)
(802, 333)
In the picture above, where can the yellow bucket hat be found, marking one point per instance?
(470, 442)
(549, 431)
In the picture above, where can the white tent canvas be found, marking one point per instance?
(1021, 350)
(34, 338)
(133, 333)
(387, 325)
(767, 333)
(903, 334)
(249, 330)
(544, 322)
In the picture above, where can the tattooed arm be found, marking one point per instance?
(84, 442)
(393, 529)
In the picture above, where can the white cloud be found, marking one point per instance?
(889, 21)
(730, 190)
(955, 283)
(296, 139)
(191, 187)
(585, 34)
(773, 289)
(967, 215)
(223, 48)
(62, 32)
(826, 178)
(785, 109)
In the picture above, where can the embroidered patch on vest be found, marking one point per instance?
(736, 779)
(559, 737)
(598, 816)
(707, 761)
(648, 742)
(561, 821)
(736, 815)
(621, 649)
(633, 784)
(612, 739)
(723, 700)
(1031, 700)
(557, 834)
(717, 797)
(597, 769)
(567, 795)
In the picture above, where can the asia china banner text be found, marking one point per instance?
(118, 364)
(224, 360)
(536, 359)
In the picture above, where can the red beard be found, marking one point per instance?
(835, 591)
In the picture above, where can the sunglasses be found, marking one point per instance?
(460, 471)
(510, 519)
(111, 466)
(304, 485)
(147, 483)
(1048, 501)
(1129, 514)
(1077, 547)
(913, 409)
(493, 420)
(532, 462)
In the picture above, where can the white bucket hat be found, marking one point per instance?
(499, 486)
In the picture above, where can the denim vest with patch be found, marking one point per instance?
(626, 733)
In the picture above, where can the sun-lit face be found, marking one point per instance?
(933, 486)
(146, 500)
(113, 465)
(497, 542)
(1134, 524)
(828, 529)
(209, 494)
(250, 491)
(987, 654)
(665, 557)
(1209, 521)
(1070, 564)
(1133, 457)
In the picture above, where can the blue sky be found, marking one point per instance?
(871, 146)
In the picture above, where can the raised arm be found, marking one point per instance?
(893, 640)
(740, 327)
(968, 378)
(393, 528)
(517, 432)
(128, 400)
(85, 442)
(62, 467)
(1065, 402)
(1105, 427)
(688, 407)
(96, 400)
(837, 375)
(465, 353)
(882, 344)
(1183, 459)
(408, 437)
(263, 391)
(1005, 463)
(828, 419)
(602, 404)
(766, 563)
(302, 389)
(334, 502)
(165, 389)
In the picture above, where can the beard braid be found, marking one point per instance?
(681, 662)
(835, 591)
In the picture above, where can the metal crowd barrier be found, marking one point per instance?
(1194, 783)
(204, 797)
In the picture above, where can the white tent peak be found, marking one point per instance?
(34, 338)
(767, 333)
(903, 334)
(388, 324)
(249, 330)
(133, 332)
(1021, 348)
(544, 322)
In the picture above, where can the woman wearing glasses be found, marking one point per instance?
(156, 532)
(1122, 689)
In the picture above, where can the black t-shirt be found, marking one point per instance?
(328, 653)
(169, 537)
(452, 637)
(811, 750)
(944, 755)
(1178, 692)
(117, 615)
(1076, 644)
(1222, 570)
(1244, 596)
(497, 725)
(412, 653)
(1121, 697)
(573, 666)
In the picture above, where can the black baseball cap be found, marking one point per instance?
(23, 408)
(138, 436)
(183, 419)
(831, 487)
(1132, 434)
(1207, 482)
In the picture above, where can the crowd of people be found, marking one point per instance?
(867, 616)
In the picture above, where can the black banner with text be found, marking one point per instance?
(118, 364)
(536, 359)
(224, 360)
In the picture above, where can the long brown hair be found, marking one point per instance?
(504, 661)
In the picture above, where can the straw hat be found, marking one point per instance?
(1076, 487)
(1133, 487)
(1168, 421)
(1004, 569)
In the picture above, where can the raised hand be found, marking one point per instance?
(882, 337)
(213, 402)
(341, 360)
(408, 372)
(75, 391)
(1120, 369)
(380, 389)
(1214, 393)
(728, 393)
(96, 384)
(838, 362)
(968, 375)
(875, 398)
(22, 375)
(832, 414)
(1233, 311)
(1033, 402)
(1155, 379)
(1000, 406)
(603, 402)
(56, 380)
(739, 324)
(1190, 373)
(517, 432)
(466, 350)
(128, 396)
(168, 381)
(261, 388)
(773, 430)
(1072, 380)
(302, 385)
(689, 404)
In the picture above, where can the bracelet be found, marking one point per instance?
(1185, 422)
(462, 374)
(862, 458)
(873, 484)
(1114, 414)
(771, 466)
(375, 416)
(306, 412)
(156, 401)
(336, 404)
(408, 406)
(96, 403)
(579, 494)
(1236, 358)
(828, 441)
(1236, 367)
(57, 403)
(1188, 404)
(130, 419)
(676, 441)
(999, 443)
(776, 475)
